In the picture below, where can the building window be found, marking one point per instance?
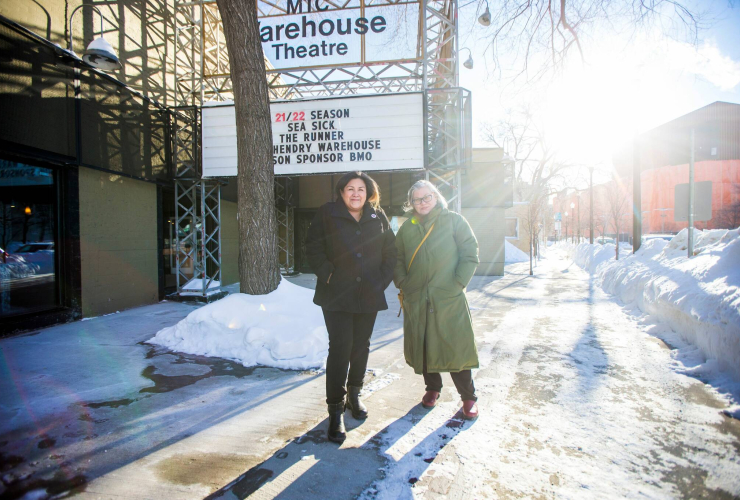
(512, 228)
(28, 271)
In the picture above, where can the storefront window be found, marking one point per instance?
(27, 241)
(512, 228)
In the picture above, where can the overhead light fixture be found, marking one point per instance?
(485, 18)
(99, 54)
(469, 62)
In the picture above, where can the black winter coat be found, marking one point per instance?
(359, 256)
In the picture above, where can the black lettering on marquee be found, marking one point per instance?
(326, 27)
(331, 145)
(296, 7)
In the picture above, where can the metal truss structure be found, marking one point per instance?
(284, 208)
(197, 211)
(202, 74)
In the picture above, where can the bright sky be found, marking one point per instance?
(625, 87)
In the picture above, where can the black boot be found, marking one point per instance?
(336, 432)
(359, 410)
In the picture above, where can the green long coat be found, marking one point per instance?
(435, 309)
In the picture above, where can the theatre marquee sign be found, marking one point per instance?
(381, 132)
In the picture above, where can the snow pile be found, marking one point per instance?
(17, 268)
(283, 329)
(699, 298)
(589, 257)
(513, 254)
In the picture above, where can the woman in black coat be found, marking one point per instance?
(352, 250)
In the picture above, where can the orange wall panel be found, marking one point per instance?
(659, 184)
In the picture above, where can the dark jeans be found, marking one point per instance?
(463, 381)
(349, 347)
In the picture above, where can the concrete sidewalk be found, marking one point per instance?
(577, 400)
(89, 406)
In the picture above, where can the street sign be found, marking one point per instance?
(702, 202)
(558, 216)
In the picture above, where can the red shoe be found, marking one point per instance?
(429, 400)
(470, 410)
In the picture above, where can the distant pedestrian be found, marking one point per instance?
(352, 250)
(437, 256)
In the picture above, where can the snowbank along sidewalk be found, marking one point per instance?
(691, 303)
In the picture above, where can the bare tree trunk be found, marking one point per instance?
(259, 270)
(616, 257)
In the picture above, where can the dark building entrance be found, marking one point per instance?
(303, 220)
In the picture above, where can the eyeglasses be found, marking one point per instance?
(425, 199)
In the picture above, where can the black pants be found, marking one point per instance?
(463, 381)
(349, 347)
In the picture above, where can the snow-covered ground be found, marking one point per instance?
(577, 400)
(512, 254)
(283, 329)
(694, 304)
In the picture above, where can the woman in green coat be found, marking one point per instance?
(432, 276)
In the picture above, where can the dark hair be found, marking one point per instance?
(373, 191)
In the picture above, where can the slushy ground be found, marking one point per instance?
(577, 400)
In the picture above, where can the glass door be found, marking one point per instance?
(28, 213)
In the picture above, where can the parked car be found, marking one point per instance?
(13, 246)
(40, 255)
(648, 237)
(604, 240)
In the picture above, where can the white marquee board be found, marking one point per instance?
(369, 133)
(321, 33)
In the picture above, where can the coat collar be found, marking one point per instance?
(339, 209)
(429, 219)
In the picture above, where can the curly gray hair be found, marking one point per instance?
(409, 206)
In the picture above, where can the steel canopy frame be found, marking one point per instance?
(202, 75)
(197, 211)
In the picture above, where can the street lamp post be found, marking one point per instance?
(591, 207)
(566, 226)
(642, 218)
(573, 233)
(579, 217)
(663, 215)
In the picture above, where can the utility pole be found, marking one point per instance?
(591, 206)
(691, 198)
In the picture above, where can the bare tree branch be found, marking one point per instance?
(519, 28)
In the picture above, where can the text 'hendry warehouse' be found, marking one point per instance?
(300, 139)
